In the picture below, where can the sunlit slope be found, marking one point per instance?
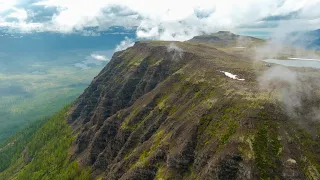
(46, 155)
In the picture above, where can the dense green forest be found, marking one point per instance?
(41, 152)
(11, 148)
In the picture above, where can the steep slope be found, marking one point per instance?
(11, 149)
(175, 110)
(158, 112)
(46, 155)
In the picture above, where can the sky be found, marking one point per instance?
(163, 20)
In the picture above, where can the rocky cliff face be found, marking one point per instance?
(161, 112)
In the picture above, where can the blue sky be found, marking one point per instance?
(164, 20)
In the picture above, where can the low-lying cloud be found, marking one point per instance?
(99, 57)
(295, 90)
(125, 44)
(176, 51)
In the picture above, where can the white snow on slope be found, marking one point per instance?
(232, 76)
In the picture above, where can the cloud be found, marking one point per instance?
(78, 16)
(175, 50)
(291, 15)
(82, 66)
(167, 19)
(7, 4)
(96, 58)
(297, 91)
(285, 81)
(99, 57)
(126, 43)
(19, 14)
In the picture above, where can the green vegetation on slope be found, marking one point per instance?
(193, 123)
(267, 148)
(11, 149)
(46, 156)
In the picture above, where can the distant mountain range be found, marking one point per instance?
(310, 39)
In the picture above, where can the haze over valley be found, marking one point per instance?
(41, 73)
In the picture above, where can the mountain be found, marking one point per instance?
(176, 110)
(225, 38)
(310, 39)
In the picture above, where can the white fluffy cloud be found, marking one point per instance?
(7, 4)
(126, 43)
(20, 14)
(171, 20)
(99, 57)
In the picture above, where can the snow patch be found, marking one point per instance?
(291, 161)
(232, 76)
